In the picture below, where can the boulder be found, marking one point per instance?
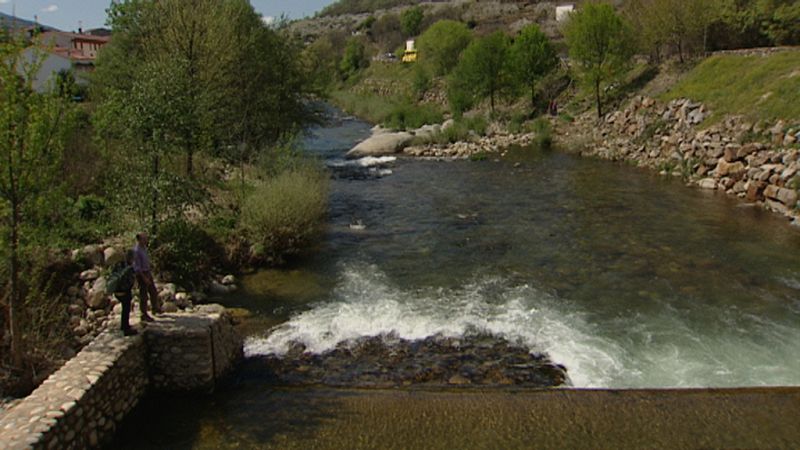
(449, 123)
(755, 190)
(771, 191)
(93, 254)
(787, 196)
(381, 144)
(113, 255)
(89, 275)
(97, 298)
(183, 300)
(731, 153)
(727, 169)
(170, 307)
(707, 183)
(228, 280)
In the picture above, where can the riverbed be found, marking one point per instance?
(628, 279)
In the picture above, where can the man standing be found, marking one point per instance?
(144, 277)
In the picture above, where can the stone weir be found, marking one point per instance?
(81, 404)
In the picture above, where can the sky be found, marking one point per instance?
(67, 14)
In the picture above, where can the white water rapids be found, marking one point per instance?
(665, 349)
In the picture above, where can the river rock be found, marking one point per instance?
(93, 254)
(97, 298)
(89, 275)
(726, 169)
(787, 196)
(170, 307)
(228, 280)
(381, 144)
(218, 288)
(707, 183)
(112, 256)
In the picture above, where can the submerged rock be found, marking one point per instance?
(388, 361)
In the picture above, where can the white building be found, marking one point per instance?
(50, 64)
(563, 12)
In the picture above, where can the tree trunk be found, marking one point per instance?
(597, 98)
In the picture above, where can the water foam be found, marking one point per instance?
(663, 349)
(367, 161)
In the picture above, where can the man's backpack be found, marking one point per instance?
(121, 278)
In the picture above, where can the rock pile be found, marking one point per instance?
(759, 162)
(91, 309)
(388, 361)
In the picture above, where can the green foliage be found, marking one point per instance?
(407, 116)
(361, 6)
(411, 21)
(354, 59)
(184, 252)
(33, 130)
(422, 81)
(282, 215)
(766, 87)
(532, 58)
(758, 23)
(483, 69)
(544, 133)
(440, 46)
(89, 207)
(601, 45)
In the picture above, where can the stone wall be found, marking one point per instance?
(758, 162)
(191, 352)
(81, 405)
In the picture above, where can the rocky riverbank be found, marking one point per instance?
(388, 361)
(758, 162)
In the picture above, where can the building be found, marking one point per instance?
(410, 55)
(50, 65)
(74, 45)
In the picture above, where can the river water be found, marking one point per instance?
(626, 278)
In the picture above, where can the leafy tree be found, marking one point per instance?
(354, 59)
(483, 68)
(601, 45)
(33, 129)
(532, 57)
(411, 21)
(440, 46)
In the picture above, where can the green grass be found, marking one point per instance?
(753, 86)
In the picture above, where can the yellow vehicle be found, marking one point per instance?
(410, 55)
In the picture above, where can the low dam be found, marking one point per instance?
(81, 405)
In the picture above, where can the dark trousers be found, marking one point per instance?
(125, 298)
(147, 288)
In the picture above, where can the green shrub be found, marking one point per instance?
(515, 124)
(544, 133)
(89, 207)
(406, 116)
(284, 214)
(184, 252)
(478, 124)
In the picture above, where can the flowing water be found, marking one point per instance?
(627, 279)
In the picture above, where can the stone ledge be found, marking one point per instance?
(81, 404)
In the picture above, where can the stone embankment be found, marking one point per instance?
(758, 162)
(91, 309)
(82, 404)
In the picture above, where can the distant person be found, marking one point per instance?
(144, 277)
(120, 283)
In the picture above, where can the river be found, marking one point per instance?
(628, 279)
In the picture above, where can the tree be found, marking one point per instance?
(532, 57)
(33, 129)
(354, 59)
(411, 21)
(483, 68)
(600, 44)
(440, 46)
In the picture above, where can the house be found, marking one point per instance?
(74, 45)
(50, 65)
(563, 12)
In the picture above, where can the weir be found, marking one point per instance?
(81, 404)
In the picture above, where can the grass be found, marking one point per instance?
(753, 86)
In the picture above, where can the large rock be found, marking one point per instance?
(381, 144)
(97, 298)
(787, 196)
(707, 183)
(727, 169)
(93, 254)
(113, 255)
(755, 190)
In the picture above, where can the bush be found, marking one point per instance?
(408, 116)
(89, 207)
(544, 133)
(284, 214)
(184, 252)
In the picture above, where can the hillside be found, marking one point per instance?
(7, 21)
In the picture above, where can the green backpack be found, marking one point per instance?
(121, 278)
